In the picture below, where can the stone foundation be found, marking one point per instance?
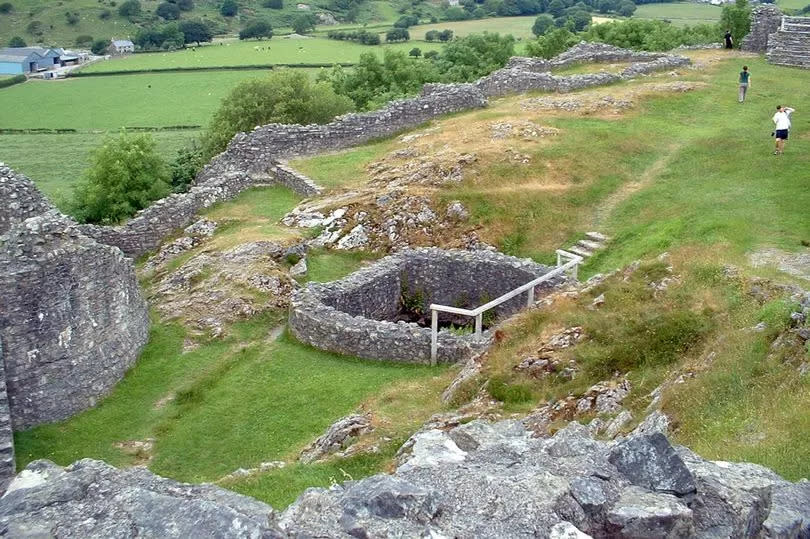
(356, 315)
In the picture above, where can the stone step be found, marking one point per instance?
(580, 251)
(596, 236)
(592, 245)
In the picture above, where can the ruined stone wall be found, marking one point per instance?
(7, 464)
(765, 20)
(19, 199)
(72, 319)
(354, 316)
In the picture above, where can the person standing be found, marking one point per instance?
(745, 83)
(782, 121)
(729, 40)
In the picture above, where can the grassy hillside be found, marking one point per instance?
(680, 13)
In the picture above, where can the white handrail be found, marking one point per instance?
(478, 312)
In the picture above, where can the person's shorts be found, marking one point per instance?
(782, 134)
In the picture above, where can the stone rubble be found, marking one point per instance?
(338, 436)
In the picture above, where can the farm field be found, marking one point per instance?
(792, 4)
(245, 53)
(520, 27)
(69, 156)
(680, 13)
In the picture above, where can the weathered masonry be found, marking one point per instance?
(383, 311)
(784, 40)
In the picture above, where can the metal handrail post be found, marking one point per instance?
(434, 336)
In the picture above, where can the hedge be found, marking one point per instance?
(16, 79)
(193, 69)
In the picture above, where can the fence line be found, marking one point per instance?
(478, 313)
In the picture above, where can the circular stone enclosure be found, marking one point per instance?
(383, 311)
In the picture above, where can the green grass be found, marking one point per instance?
(792, 4)
(238, 402)
(118, 101)
(341, 169)
(324, 266)
(58, 170)
(520, 27)
(237, 53)
(680, 13)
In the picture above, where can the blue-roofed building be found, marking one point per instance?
(24, 60)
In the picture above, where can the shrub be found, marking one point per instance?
(416, 52)
(104, 14)
(542, 24)
(456, 14)
(34, 28)
(445, 35)
(651, 35)
(256, 29)
(304, 23)
(284, 96)
(186, 165)
(17, 41)
(130, 8)
(397, 34)
(406, 21)
(361, 36)
(72, 18)
(737, 18)
(432, 35)
(168, 37)
(126, 174)
(99, 46)
(6, 7)
(185, 5)
(431, 55)
(84, 40)
(465, 59)
(273, 4)
(509, 392)
(168, 11)
(229, 8)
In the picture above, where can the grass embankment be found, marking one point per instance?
(235, 53)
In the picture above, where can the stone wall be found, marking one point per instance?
(19, 199)
(72, 319)
(355, 316)
(765, 20)
(7, 464)
(790, 45)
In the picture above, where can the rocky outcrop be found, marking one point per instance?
(765, 20)
(477, 480)
(72, 319)
(91, 499)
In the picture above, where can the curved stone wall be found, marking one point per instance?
(19, 199)
(72, 319)
(355, 315)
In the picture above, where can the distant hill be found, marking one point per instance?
(60, 22)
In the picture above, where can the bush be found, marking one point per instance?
(84, 40)
(397, 34)
(431, 55)
(626, 8)
(168, 37)
(11, 81)
(229, 8)
(552, 43)
(16, 41)
(304, 23)
(167, 11)
(542, 24)
(509, 392)
(99, 46)
(126, 174)
(432, 35)
(361, 36)
(186, 165)
(445, 35)
(650, 35)
(72, 18)
(470, 57)
(6, 8)
(34, 28)
(130, 9)
(284, 96)
(456, 14)
(256, 29)
(406, 21)
(416, 52)
(273, 4)
(185, 5)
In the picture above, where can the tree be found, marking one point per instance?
(556, 8)
(283, 96)
(432, 35)
(416, 52)
(256, 29)
(397, 34)
(274, 4)
(130, 9)
(552, 43)
(542, 24)
(195, 32)
(99, 46)
(84, 40)
(126, 174)
(229, 8)
(470, 57)
(16, 41)
(304, 23)
(736, 18)
(456, 13)
(626, 8)
(185, 5)
(431, 55)
(581, 19)
(167, 11)
(6, 8)
(446, 35)
(406, 21)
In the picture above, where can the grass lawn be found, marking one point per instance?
(118, 101)
(791, 4)
(680, 13)
(520, 27)
(235, 53)
(69, 156)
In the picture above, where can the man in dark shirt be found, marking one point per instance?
(729, 40)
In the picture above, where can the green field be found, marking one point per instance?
(118, 101)
(69, 156)
(244, 53)
(520, 27)
(680, 13)
(792, 4)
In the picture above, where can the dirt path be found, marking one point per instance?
(603, 211)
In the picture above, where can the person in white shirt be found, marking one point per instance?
(782, 121)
